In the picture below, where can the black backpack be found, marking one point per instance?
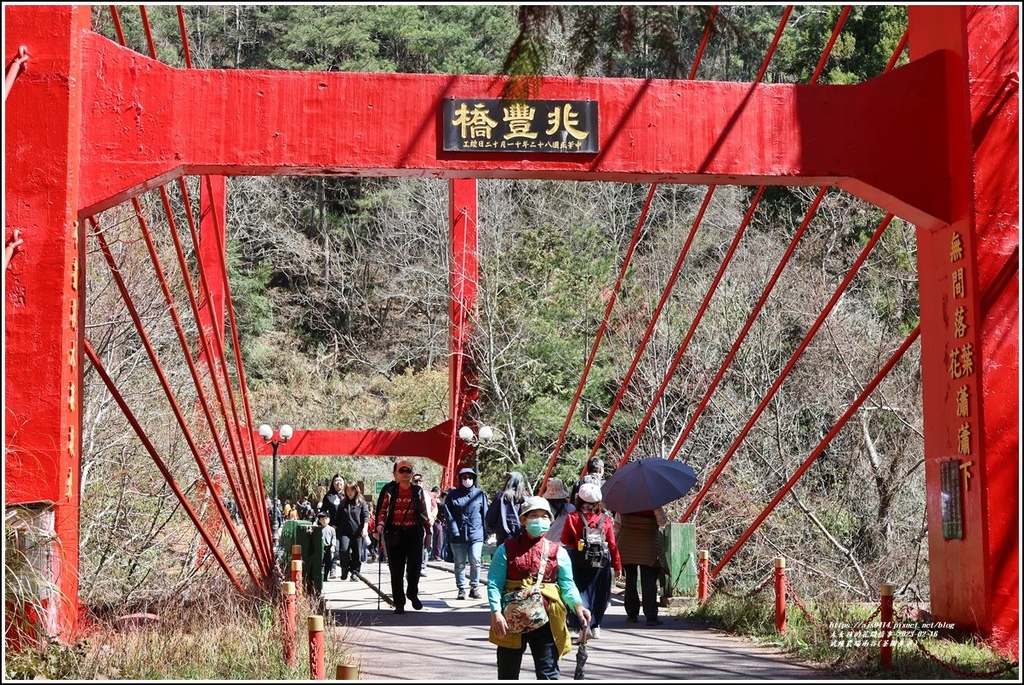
(595, 547)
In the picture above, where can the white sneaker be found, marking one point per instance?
(595, 632)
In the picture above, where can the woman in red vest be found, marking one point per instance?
(518, 563)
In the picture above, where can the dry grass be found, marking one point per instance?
(219, 636)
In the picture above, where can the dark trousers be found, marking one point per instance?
(595, 586)
(349, 553)
(328, 561)
(405, 557)
(648, 587)
(437, 540)
(543, 649)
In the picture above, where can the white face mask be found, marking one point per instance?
(467, 483)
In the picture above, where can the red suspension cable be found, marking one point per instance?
(900, 47)
(650, 411)
(600, 333)
(168, 477)
(831, 43)
(168, 391)
(693, 326)
(774, 44)
(196, 379)
(882, 373)
(117, 25)
(666, 291)
(239, 368)
(693, 505)
(808, 216)
(220, 358)
(149, 31)
(184, 38)
(704, 41)
(790, 364)
(242, 493)
(750, 321)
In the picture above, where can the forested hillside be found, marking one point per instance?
(340, 290)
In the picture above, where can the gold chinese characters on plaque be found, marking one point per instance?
(520, 126)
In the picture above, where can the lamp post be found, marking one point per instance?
(485, 434)
(267, 433)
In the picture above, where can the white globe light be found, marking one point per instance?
(266, 432)
(286, 432)
(486, 433)
(466, 433)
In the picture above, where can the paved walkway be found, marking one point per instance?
(447, 640)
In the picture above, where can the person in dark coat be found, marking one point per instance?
(331, 503)
(464, 512)
(353, 518)
(503, 514)
(401, 516)
(437, 536)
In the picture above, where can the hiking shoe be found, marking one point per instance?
(461, 595)
(416, 603)
(474, 594)
(354, 578)
(655, 622)
(399, 610)
(631, 619)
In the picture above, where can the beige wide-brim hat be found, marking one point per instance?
(555, 489)
(533, 504)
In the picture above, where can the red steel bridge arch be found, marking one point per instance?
(936, 142)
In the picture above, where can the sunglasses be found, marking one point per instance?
(405, 470)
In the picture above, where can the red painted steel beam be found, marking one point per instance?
(152, 123)
(963, 274)
(42, 320)
(463, 283)
(431, 444)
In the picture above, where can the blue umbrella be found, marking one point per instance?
(647, 484)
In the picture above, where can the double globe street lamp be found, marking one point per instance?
(284, 434)
(485, 434)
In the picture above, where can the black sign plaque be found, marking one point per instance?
(520, 126)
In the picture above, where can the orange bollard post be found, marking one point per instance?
(297, 575)
(885, 647)
(780, 594)
(316, 647)
(288, 622)
(347, 672)
(702, 576)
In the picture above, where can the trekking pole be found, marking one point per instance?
(380, 543)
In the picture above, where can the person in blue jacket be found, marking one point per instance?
(464, 509)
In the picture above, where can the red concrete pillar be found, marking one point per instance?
(702, 576)
(780, 594)
(886, 616)
(288, 622)
(317, 658)
(44, 284)
(463, 281)
(968, 275)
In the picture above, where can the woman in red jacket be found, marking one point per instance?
(589, 536)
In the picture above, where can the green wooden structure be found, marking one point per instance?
(681, 553)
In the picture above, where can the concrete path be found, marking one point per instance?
(447, 640)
